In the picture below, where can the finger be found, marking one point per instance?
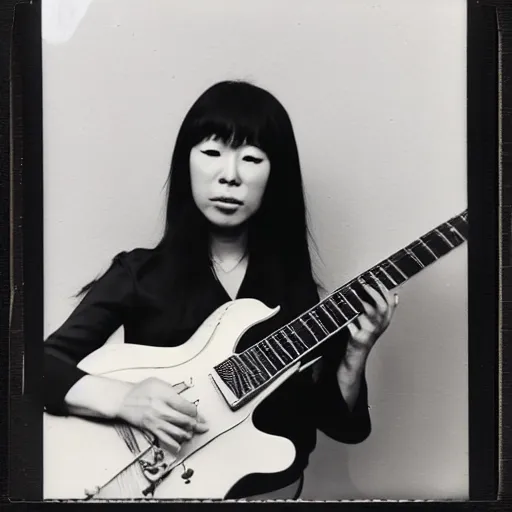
(391, 310)
(358, 335)
(370, 311)
(375, 291)
(168, 441)
(201, 427)
(201, 423)
(366, 324)
(380, 299)
(200, 418)
(170, 415)
(178, 434)
(360, 327)
(353, 329)
(181, 405)
(382, 287)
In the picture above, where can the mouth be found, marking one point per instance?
(227, 201)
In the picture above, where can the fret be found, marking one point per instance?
(281, 352)
(354, 308)
(411, 253)
(451, 235)
(316, 317)
(331, 318)
(373, 281)
(298, 341)
(394, 265)
(343, 305)
(425, 253)
(246, 372)
(290, 342)
(266, 362)
(243, 376)
(384, 277)
(354, 292)
(396, 281)
(361, 293)
(317, 337)
(358, 287)
(271, 355)
(461, 224)
(237, 381)
(336, 310)
(396, 275)
(453, 228)
(255, 362)
(272, 347)
(255, 372)
(444, 238)
(436, 244)
(408, 265)
(285, 343)
(304, 336)
(363, 281)
(258, 362)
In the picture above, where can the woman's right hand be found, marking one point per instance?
(155, 406)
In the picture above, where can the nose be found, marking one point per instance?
(230, 175)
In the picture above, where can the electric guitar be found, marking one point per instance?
(96, 459)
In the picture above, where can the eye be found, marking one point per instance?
(211, 152)
(253, 159)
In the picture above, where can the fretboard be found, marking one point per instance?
(248, 372)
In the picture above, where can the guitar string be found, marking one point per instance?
(363, 277)
(299, 329)
(130, 439)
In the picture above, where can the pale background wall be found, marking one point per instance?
(376, 92)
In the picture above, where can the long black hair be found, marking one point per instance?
(237, 112)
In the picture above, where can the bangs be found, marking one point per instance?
(233, 128)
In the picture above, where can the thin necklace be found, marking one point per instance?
(218, 263)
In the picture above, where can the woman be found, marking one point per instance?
(235, 227)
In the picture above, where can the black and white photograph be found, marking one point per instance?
(255, 250)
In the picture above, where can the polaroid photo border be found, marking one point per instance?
(485, 386)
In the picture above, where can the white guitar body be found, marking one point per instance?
(81, 454)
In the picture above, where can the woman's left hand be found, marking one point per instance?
(370, 325)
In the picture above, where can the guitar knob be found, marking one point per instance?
(187, 474)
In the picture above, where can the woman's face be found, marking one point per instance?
(227, 183)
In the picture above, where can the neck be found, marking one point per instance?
(226, 245)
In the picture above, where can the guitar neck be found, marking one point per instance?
(248, 372)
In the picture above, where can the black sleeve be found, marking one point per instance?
(334, 418)
(94, 320)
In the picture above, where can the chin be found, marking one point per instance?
(226, 222)
(227, 225)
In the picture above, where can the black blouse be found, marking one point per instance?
(130, 294)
